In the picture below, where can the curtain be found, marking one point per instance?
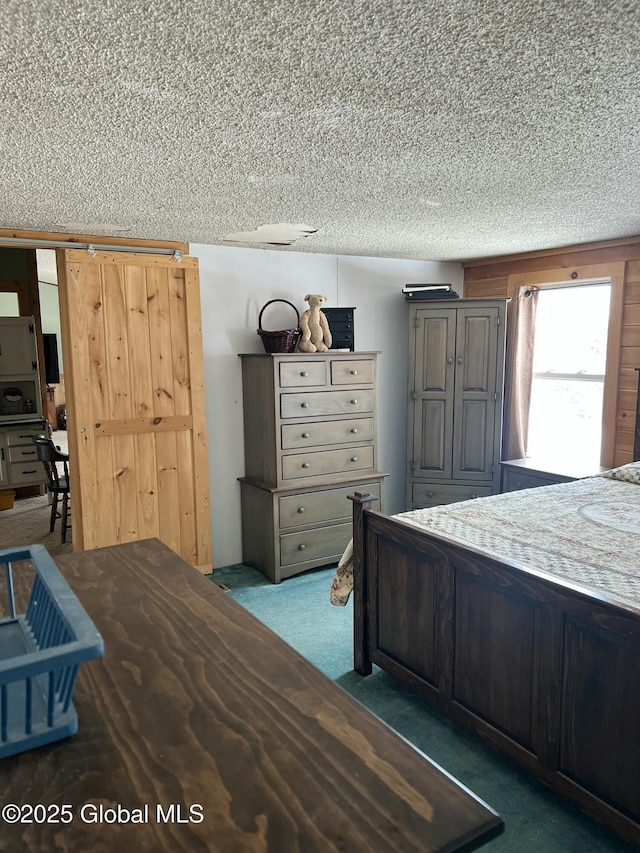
(521, 320)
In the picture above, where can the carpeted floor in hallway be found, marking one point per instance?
(28, 524)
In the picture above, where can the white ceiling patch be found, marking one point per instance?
(280, 234)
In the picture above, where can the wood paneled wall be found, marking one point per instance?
(489, 277)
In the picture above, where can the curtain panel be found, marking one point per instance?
(521, 321)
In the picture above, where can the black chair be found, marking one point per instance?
(57, 485)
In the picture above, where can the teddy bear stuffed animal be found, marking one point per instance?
(316, 335)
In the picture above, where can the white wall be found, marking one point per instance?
(235, 283)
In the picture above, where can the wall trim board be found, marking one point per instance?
(569, 275)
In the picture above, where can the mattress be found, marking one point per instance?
(586, 533)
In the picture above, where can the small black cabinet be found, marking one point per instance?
(341, 324)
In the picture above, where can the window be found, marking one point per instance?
(570, 350)
(9, 305)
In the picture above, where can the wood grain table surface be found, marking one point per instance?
(215, 735)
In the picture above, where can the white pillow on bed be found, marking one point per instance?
(627, 473)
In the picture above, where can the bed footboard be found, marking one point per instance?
(544, 672)
(361, 659)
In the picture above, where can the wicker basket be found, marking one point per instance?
(284, 340)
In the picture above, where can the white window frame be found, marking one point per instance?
(555, 376)
(593, 273)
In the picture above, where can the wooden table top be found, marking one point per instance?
(217, 736)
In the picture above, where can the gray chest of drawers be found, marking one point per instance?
(19, 463)
(310, 440)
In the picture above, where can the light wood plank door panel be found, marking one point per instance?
(134, 372)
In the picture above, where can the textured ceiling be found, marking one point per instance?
(436, 130)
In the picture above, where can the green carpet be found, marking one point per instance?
(536, 820)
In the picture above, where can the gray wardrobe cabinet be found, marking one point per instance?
(456, 377)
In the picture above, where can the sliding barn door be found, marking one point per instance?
(134, 385)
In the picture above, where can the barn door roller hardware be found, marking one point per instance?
(91, 248)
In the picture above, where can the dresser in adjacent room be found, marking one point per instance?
(456, 379)
(310, 441)
(20, 407)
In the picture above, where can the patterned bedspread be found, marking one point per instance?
(586, 532)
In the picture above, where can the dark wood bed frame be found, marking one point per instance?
(542, 670)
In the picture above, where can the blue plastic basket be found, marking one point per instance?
(40, 652)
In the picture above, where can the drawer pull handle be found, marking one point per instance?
(429, 494)
(355, 402)
(305, 464)
(474, 496)
(304, 373)
(305, 435)
(300, 509)
(354, 458)
(30, 472)
(354, 372)
(354, 430)
(304, 405)
(301, 547)
(27, 453)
